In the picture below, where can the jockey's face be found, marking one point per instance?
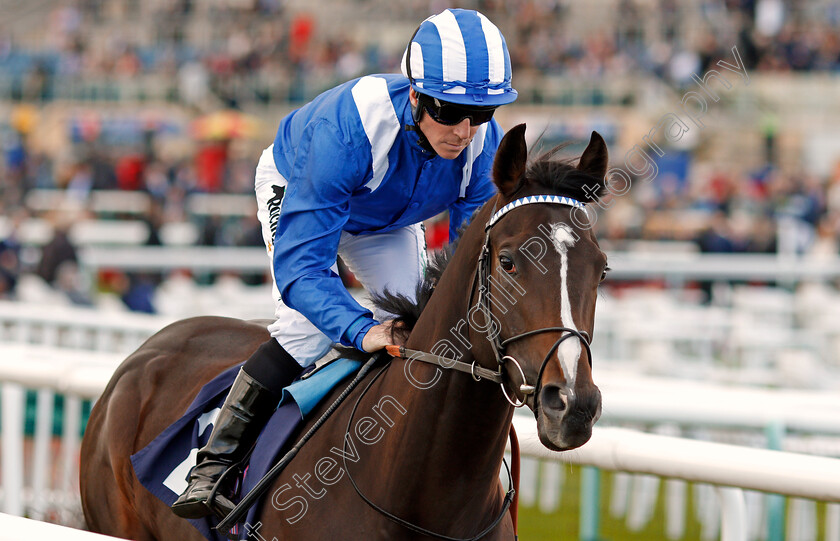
(447, 141)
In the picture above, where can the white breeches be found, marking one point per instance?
(371, 259)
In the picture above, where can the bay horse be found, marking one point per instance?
(421, 446)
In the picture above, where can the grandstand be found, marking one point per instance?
(129, 134)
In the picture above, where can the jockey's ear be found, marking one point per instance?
(595, 158)
(510, 161)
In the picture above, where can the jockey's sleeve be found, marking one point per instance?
(480, 187)
(316, 206)
(357, 331)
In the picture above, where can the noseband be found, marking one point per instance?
(483, 275)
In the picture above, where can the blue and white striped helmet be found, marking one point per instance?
(459, 56)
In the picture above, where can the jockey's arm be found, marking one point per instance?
(316, 206)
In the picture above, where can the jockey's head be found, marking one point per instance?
(459, 68)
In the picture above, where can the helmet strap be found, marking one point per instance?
(421, 138)
(417, 114)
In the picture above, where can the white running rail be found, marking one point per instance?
(76, 357)
(733, 469)
(14, 528)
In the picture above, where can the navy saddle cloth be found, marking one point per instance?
(163, 465)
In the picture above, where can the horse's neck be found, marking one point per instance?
(458, 422)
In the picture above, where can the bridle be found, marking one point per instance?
(482, 279)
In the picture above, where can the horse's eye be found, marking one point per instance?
(507, 264)
(604, 274)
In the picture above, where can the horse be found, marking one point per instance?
(415, 451)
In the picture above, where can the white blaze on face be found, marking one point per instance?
(568, 352)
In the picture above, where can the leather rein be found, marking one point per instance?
(479, 373)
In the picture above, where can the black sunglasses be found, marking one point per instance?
(450, 114)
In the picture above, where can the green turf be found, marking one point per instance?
(563, 524)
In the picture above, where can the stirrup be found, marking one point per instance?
(214, 503)
(220, 507)
(219, 504)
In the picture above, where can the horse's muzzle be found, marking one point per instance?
(565, 416)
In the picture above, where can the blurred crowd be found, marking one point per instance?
(227, 54)
(721, 211)
(92, 166)
(238, 51)
(716, 210)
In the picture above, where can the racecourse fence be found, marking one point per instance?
(13, 528)
(796, 421)
(55, 361)
(67, 356)
(730, 468)
(76, 328)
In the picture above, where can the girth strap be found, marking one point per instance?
(477, 372)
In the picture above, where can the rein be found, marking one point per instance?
(510, 496)
(478, 372)
(238, 513)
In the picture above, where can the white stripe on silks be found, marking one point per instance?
(207, 418)
(568, 352)
(495, 54)
(379, 122)
(417, 67)
(422, 253)
(452, 41)
(473, 152)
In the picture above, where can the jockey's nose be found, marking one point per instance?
(462, 129)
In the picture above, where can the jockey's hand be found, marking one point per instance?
(379, 336)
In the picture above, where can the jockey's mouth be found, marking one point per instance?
(464, 143)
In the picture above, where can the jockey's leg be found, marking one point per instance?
(294, 344)
(395, 261)
(249, 404)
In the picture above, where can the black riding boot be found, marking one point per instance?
(248, 406)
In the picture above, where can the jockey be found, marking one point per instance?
(353, 174)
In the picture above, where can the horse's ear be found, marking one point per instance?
(595, 158)
(510, 162)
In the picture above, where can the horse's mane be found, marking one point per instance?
(562, 177)
(406, 310)
(558, 175)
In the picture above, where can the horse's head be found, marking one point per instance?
(541, 270)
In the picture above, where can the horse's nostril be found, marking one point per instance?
(552, 398)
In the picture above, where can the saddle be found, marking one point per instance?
(163, 465)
